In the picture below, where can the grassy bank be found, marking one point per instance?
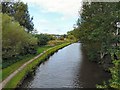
(19, 77)
(10, 69)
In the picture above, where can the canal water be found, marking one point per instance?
(67, 68)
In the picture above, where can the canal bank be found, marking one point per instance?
(67, 68)
(13, 80)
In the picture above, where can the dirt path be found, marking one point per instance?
(4, 82)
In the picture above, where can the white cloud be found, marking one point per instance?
(65, 7)
(43, 21)
(60, 24)
(64, 18)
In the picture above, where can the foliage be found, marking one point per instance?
(115, 81)
(20, 12)
(55, 42)
(96, 27)
(43, 39)
(15, 39)
(71, 36)
(115, 71)
(74, 33)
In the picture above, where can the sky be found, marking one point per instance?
(54, 16)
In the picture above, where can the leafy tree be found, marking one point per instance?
(14, 38)
(96, 27)
(74, 32)
(43, 39)
(20, 12)
(71, 36)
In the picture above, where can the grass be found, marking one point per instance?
(43, 48)
(10, 69)
(17, 79)
(7, 71)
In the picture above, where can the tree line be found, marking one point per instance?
(96, 29)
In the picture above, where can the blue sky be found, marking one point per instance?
(54, 18)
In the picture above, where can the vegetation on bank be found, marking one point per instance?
(10, 69)
(16, 41)
(20, 76)
(96, 28)
(114, 82)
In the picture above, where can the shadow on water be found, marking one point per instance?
(67, 68)
(90, 73)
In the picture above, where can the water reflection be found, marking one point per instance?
(69, 67)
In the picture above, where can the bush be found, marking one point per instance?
(114, 82)
(15, 39)
(115, 71)
(43, 39)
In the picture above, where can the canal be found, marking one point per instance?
(67, 68)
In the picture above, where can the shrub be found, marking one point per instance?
(14, 38)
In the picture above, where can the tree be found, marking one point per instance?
(14, 38)
(43, 39)
(74, 32)
(97, 26)
(20, 12)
